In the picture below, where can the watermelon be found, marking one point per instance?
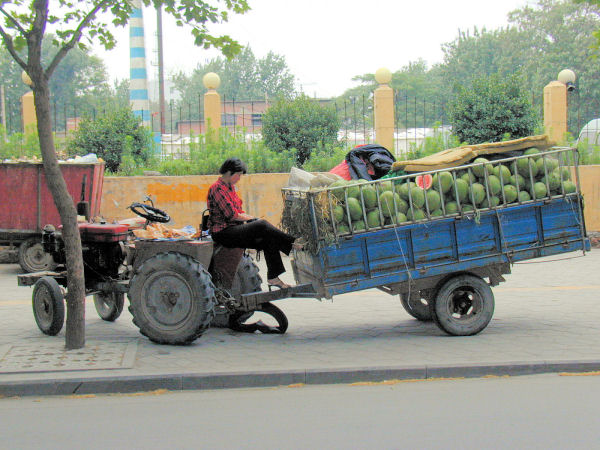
(424, 181)
(479, 167)
(443, 181)
(354, 208)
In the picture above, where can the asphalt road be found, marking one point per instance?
(546, 411)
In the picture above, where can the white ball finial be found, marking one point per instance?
(383, 76)
(211, 80)
(26, 79)
(566, 76)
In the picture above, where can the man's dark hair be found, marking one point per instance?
(233, 165)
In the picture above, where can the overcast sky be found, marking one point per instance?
(325, 42)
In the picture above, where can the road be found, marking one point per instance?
(545, 411)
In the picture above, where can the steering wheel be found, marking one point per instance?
(150, 212)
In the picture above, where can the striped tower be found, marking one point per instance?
(138, 83)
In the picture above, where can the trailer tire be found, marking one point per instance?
(109, 305)
(463, 306)
(172, 298)
(417, 306)
(33, 258)
(48, 306)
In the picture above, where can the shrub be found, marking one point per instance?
(490, 108)
(112, 135)
(301, 125)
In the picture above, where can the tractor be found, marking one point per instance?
(176, 288)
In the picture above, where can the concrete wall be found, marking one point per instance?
(184, 198)
(590, 188)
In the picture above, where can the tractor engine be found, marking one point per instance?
(103, 248)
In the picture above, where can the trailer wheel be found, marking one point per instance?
(33, 258)
(246, 280)
(417, 306)
(172, 298)
(244, 321)
(48, 306)
(463, 306)
(109, 305)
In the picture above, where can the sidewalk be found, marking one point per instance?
(547, 319)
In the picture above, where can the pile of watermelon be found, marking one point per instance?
(358, 205)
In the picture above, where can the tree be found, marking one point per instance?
(111, 135)
(541, 40)
(490, 109)
(243, 77)
(80, 77)
(24, 26)
(301, 124)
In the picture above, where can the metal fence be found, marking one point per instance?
(417, 121)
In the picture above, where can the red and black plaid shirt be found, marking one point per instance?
(223, 204)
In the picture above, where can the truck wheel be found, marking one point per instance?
(246, 280)
(463, 306)
(417, 306)
(33, 258)
(48, 306)
(172, 298)
(109, 305)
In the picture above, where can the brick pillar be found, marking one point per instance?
(212, 102)
(555, 111)
(29, 117)
(384, 110)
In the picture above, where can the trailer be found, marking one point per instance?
(28, 205)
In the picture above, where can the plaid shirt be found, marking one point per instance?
(223, 204)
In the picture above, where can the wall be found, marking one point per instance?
(590, 188)
(184, 197)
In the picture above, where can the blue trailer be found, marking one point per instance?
(443, 266)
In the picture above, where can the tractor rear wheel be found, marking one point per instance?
(172, 298)
(33, 258)
(246, 280)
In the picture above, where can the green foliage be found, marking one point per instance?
(491, 107)
(243, 77)
(112, 136)
(301, 124)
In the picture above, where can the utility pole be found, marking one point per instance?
(161, 76)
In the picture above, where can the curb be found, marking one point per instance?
(181, 382)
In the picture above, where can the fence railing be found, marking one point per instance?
(416, 120)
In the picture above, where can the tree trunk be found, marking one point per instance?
(75, 330)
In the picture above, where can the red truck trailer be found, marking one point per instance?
(26, 205)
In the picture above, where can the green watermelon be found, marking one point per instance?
(451, 207)
(373, 219)
(338, 213)
(434, 200)
(418, 196)
(478, 167)
(569, 187)
(354, 208)
(477, 193)
(551, 164)
(524, 196)
(538, 190)
(504, 171)
(533, 151)
(359, 225)
(525, 165)
(419, 214)
(386, 200)
(462, 188)
(510, 193)
(494, 201)
(442, 180)
(369, 196)
(338, 193)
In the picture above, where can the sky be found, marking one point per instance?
(325, 42)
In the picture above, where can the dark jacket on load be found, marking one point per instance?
(377, 155)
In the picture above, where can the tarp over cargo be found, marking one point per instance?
(458, 156)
